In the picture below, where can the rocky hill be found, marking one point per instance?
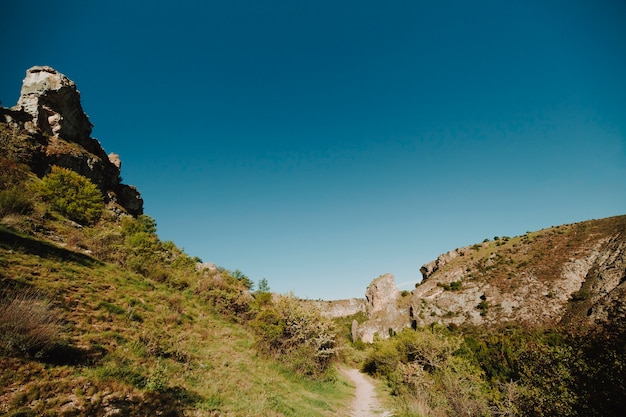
(99, 317)
(572, 275)
(48, 127)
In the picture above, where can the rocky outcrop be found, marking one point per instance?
(385, 313)
(444, 259)
(381, 294)
(603, 286)
(50, 115)
(54, 102)
(572, 275)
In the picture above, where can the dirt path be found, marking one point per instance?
(365, 402)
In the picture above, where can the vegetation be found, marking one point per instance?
(104, 318)
(436, 371)
(28, 325)
(117, 319)
(13, 200)
(296, 335)
(72, 194)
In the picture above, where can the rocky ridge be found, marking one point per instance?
(571, 275)
(48, 127)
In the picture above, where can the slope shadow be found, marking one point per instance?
(12, 241)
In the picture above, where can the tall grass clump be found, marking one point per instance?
(13, 197)
(28, 324)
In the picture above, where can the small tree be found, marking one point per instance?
(263, 286)
(72, 194)
(243, 278)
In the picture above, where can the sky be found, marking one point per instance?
(320, 144)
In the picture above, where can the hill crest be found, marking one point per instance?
(572, 275)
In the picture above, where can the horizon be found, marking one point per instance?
(321, 145)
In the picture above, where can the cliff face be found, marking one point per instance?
(49, 127)
(572, 275)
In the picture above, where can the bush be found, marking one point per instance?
(28, 326)
(72, 195)
(225, 295)
(11, 173)
(296, 335)
(424, 368)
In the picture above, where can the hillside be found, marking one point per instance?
(572, 275)
(99, 317)
(116, 343)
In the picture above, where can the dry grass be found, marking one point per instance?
(28, 325)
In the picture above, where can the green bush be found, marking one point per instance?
(13, 197)
(296, 335)
(423, 367)
(225, 295)
(72, 195)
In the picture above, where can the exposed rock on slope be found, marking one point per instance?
(339, 308)
(48, 127)
(535, 279)
(574, 275)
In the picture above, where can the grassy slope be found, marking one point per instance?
(543, 252)
(140, 346)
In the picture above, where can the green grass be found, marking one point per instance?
(179, 355)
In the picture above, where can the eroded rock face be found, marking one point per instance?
(54, 102)
(49, 109)
(385, 315)
(381, 294)
(573, 275)
(339, 308)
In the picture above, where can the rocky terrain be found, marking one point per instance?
(48, 127)
(572, 275)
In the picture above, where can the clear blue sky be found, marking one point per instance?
(319, 144)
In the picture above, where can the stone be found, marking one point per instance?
(50, 111)
(54, 102)
(381, 293)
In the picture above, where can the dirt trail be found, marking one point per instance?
(365, 402)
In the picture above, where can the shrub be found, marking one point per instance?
(548, 381)
(15, 144)
(243, 278)
(15, 201)
(72, 195)
(581, 295)
(11, 173)
(225, 295)
(296, 335)
(483, 306)
(142, 223)
(423, 367)
(28, 326)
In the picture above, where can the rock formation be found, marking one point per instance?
(571, 275)
(385, 314)
(49, 114)
(339, 308)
